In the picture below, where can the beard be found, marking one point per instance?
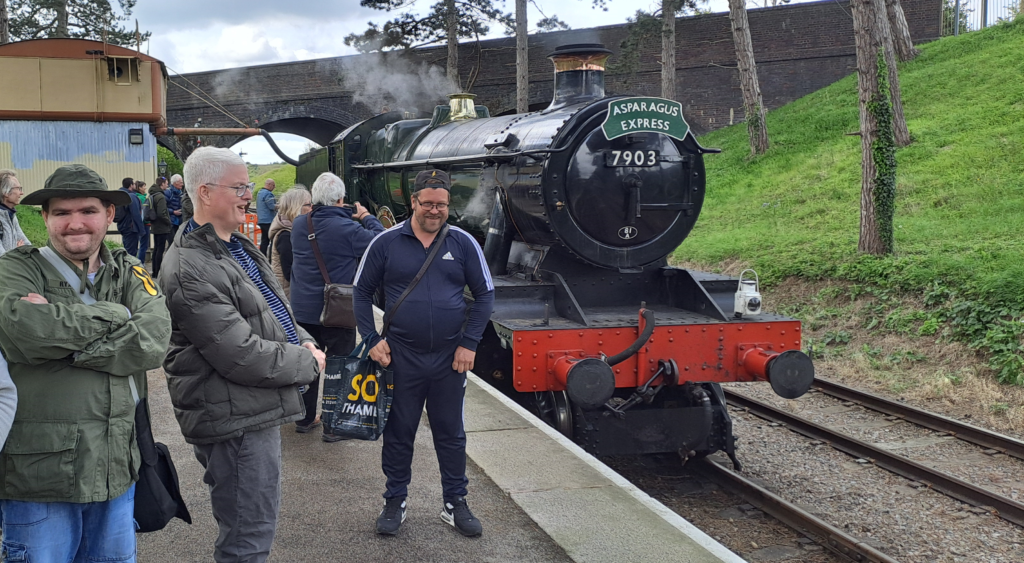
(79, 248)
(430, 223)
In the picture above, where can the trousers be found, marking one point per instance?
(425, 378)
(69, 531)
(160, 244)
(265, 239)
(143, 246)
(334, 341)
(244, 477)
(131, 243)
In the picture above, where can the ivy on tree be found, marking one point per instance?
(77, 19)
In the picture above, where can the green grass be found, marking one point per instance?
(960, 206)
(283, 176)
(960, 196)
(31, 220)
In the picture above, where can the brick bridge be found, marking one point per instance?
(799, 49)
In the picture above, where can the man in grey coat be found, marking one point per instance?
(237, 357)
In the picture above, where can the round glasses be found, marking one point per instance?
(239, 190)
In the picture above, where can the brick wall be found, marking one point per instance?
(799, 49)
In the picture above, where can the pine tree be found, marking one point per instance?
(78, 19)
(408, 30)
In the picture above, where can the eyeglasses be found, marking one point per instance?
(239, 190)
(433, 206)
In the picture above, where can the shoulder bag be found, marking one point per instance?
(339, 308)
(157, 496)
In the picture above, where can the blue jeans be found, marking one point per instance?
(68, 531)
(131, 243)
(143, 246)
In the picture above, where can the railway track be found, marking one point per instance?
(957, 488)
(829, 536)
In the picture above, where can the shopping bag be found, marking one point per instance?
(357, 395)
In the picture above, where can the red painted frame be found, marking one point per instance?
(710, 352)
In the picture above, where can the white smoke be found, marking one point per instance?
(478, 210)
(391, 79)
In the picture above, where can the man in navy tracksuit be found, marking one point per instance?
(426, 345)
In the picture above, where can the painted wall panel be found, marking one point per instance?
(68, 85)
(19, 89)
(36, 148)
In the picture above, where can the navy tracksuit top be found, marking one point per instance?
(432, 316)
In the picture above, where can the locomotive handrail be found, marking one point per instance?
(645, 335)
(455, 159)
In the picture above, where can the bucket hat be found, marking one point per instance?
(73, 181)
(432, 179)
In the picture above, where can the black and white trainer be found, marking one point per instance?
(456, 513)
(391, 516)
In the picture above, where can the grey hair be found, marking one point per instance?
(6, 185)
(328, 189)
(176, 178)
(290, 205)
(207, 165)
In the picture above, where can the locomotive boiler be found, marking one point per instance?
(577, 208)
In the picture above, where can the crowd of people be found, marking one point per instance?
(237, 330)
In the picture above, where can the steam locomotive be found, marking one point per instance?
(577, 207)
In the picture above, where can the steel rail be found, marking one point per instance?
(980, 436)
(793, 516)
(959, 489)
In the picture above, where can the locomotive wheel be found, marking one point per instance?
(553, 408)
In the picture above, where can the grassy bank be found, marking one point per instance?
(794, 212)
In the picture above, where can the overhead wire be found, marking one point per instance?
(211, 102)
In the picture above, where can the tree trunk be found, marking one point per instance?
(453, 45)
(902, 41)
(522, 59)
(668, 49)
(753, 104)
(62, 20)
(5, 35)
(884, 31)
(870, 50)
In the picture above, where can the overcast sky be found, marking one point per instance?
(197, 35)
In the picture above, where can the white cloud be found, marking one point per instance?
(258, 151)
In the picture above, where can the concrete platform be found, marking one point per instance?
(588, 509)
(538, 495)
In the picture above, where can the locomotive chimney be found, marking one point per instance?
(579, 73)
(462, 107)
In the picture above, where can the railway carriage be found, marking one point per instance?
(577, 208)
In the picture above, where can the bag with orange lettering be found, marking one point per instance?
(357, 395)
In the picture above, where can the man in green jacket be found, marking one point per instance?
(68, 470)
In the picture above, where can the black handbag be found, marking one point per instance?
(157, 495)
(339, 307)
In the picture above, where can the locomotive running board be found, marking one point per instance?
(686, 292)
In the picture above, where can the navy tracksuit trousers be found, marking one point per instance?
(425, 377)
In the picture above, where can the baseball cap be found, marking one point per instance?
(432, 179)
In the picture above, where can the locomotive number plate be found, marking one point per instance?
(631, 158)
